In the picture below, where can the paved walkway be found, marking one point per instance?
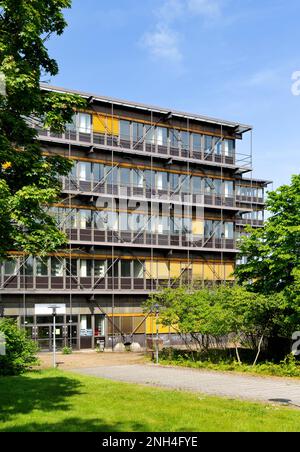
(222, 384)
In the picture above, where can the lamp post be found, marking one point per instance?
(54, 308)
(156, 307)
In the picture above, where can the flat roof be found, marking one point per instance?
(240, 128)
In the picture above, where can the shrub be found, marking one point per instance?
(67, 351)
(20, 352)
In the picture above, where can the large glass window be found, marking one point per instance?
(41, 267)
(150, 135)
(208, 144)
(218, 146)
(196, 185)
(57, 266)
(98, 172)
(71, 267)
(137, 131)
(10, 267)
(196, 142)
(229, 231)
(125, 130)
(85, 219)
(185, 140)
(125, 269)
(85, 171)
(85, 268)
(150, 179)
(138, 269)
(71, 126)
(29, 266)
(138, 178)
(174, 181)
(162, 136)
(228, 188)
(100, 269)
(174, 138)
(125, 176)
(84, 123)
(229, 148)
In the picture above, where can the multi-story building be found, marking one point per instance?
(156, 198)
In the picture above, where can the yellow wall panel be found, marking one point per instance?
(99, 124)
(113, 126)
(198, 227)
(229, 269)
(208, 273)
(163, 270)
(151, 270)
(197, 271)
(175, 269)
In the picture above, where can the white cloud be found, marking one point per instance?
(163, 43)
(206, 8)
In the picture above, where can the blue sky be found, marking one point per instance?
(231, 59)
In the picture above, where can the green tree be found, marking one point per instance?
(20, 352)
(28, 179)
(273, 252)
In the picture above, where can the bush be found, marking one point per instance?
(20, 352)
(67, 351)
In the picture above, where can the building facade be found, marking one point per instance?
(155, 199)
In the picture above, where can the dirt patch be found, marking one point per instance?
(89, 359)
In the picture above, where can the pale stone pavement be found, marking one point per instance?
(266, 389)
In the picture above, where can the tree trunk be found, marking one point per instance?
(258, 350)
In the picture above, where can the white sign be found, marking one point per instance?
(46, 309)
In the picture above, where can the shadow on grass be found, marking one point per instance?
(76, 425)
(22, 395)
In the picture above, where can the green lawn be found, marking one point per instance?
(60, 401)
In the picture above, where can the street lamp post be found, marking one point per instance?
(156, 307)
(54, 308)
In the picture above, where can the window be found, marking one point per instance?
(196, 142)
(125, 130)
(125, 176)
(150, 135)
(208, 228)
(174, 181)
(100, 269)
(57, 267)
(85, 219)
(228, 188)
(71, 126)
(208, 144)
(209, 186)
(85, 268)
(29, 266)
(84, 123)
(98, 172)
(41, 267)
(71, 267)
(229, 148)
(150, 179)
(162, 136)
(138, 178)
(111, 175)
(185, 140)
(185, 186)
(100, 220)
(10, 267)
(229, 231)
(137, 131)
(85, 171)
(174, 138)
(196, 185)
(138, 269)
(125, 269)
(218, 146)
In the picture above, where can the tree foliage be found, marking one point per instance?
(28, 179)
(20, 351)
(273, 252)
(226, 315)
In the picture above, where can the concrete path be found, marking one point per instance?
(214, 383)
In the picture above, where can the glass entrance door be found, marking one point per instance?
(43, 337)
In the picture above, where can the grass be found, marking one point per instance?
(55, 401)
(266, 369)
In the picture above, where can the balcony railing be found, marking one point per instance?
(245, 222)
(85, 285)
(131, 191)
(105, 237)
(237, 160)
